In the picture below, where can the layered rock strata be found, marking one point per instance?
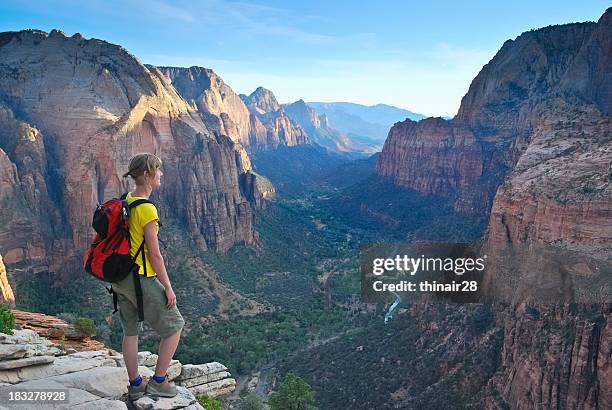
(73, 111)
(469, 156)
(6, 292)
(98, 379)
(259, 126)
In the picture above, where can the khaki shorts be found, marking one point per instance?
(164, 321)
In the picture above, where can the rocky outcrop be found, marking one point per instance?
(258, 188)
(268, 131)
(260, 126)
(56, 330)
(554, 356)
(84, 107)
(262, 101)
(556, 204)
(211, 379)
(270, 126)
(6, 292)
(208, 93)
(533, 134)
(98, 379)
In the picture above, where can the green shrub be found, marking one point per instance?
(7, 320)
(209, 403)
(85, 326)
(251, 402)
(293, 394)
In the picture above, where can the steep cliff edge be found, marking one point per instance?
(92, 375)
(549, 240)
(73, 112)
(469, 156)
(558, 199)
(533, 136)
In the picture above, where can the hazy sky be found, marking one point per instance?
(416, 55)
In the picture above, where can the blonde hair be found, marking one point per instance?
(141, 163)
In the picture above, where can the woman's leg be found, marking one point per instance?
(167, 347)
(130, 355)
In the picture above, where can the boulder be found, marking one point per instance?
(28, 361)
(194, 370)
(184, 399)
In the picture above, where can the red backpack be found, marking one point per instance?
(108, 258)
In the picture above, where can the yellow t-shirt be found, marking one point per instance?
(139, 217)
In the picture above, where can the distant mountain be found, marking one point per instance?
(371, 122)
(318, 128)
(261, 100)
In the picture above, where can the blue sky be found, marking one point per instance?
(416, 55)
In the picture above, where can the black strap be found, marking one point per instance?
(135, 272)
(137, 202)
(110, 290)
(136, 276)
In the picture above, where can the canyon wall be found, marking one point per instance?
(73, 111)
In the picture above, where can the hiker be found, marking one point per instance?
(158, 298)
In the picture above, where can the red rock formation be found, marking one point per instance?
(499, 113)
(6, 292)
(554, 212)
(260, 126)
(32, 223)
(554, 356)
(540, 109)
(86, 106)
(55, 329)
(262, 101)
(435, 157)
(558, 198)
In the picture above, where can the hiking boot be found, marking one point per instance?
(136, 392)
(163, 389)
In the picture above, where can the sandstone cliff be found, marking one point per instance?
(208, 93)
(260, 126)
(549, 240)
(270, 125)
(468, 157)
(554, 356)
(96, 377)
(558, 200)
(6, 292)
(532, 142)
(84, 107)
(261, 100)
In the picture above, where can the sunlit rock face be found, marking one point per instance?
(73, 111)
(469, 156)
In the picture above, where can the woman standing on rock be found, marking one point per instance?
(158, 298)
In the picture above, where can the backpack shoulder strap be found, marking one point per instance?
(140, 202)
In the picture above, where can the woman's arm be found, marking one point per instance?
(157, 261)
